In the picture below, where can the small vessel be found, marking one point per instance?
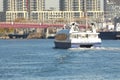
(74, 37)
(113, 34)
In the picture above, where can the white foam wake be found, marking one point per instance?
(98, 48)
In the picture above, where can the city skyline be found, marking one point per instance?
(36, 9)
(49, 3)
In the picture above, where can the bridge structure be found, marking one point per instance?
(27, 25)
(25, 28)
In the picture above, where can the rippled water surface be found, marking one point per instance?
(38, 60)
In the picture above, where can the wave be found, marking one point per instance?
(98, 48)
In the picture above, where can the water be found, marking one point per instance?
(38, 60)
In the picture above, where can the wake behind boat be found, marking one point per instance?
(74, 37)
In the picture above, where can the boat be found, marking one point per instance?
(18, 36)
(113, 34)
(109, 35)
(74, 37)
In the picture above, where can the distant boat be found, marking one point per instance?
(111, 35)
(74, 37)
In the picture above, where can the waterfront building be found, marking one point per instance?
(16, 9)
(2, 16)
(93, 8)
(69, 10)
(36, 6)
(73, 10)
(5, 5)
(71, 5)
(22, 8)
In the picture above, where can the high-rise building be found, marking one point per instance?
(5, 5)
(93, 8)
(70, 5)
(37, 5)
(2, 13)
(69, 10)
(79, 5)
(16, 9)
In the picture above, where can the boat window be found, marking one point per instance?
(74, 35)
(83, 36)
(92, 35)
(61, 37)
(95, 35)
(79, 36)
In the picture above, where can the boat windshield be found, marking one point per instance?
(61, 37)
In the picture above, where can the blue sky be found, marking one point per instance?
(49, 3)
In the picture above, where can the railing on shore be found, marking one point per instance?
(27, 25)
